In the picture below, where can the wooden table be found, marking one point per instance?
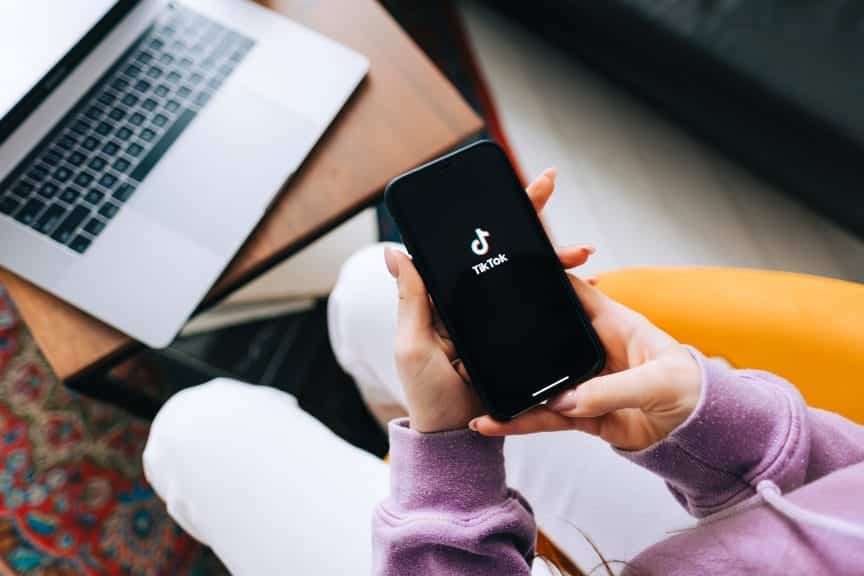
(403, 114)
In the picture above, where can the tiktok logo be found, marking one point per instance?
(479, 245)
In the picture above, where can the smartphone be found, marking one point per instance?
(494, 278)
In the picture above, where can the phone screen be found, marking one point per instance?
(495, 279)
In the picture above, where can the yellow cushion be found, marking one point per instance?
(808, 329)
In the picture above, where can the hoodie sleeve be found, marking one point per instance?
(449, 510)
(749, 426)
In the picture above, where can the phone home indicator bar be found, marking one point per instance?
(552, 385)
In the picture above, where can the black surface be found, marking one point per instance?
(775, 84)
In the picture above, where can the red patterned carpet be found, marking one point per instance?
(73, 499)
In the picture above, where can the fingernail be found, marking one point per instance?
(566, 401)
(392, 263)
(591, 249)
(473, 424)
(552, 173)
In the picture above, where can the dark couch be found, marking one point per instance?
(777, 85)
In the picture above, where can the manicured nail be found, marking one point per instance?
(564, 402)
(473, 424)
(552, 173)
(392, 263)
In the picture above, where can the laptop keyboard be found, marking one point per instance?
(76, 180)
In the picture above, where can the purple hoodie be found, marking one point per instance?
(450, 511)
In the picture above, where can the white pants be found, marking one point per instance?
(243, 469)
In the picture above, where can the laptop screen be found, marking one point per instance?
(37, 39)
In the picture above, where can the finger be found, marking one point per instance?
(540, 190)
(540, 419)
(592, 280)
(415, 314)
(604, 394)
(573, 256)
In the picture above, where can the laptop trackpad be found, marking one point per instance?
(220, 175)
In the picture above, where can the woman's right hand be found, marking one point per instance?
(650, 384)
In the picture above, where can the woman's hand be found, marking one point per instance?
(650, 385)
(436, 384)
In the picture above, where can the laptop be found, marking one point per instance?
(141, 141)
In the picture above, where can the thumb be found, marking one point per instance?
(603, 394)
(415, 315)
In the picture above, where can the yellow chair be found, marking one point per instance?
(808, 329)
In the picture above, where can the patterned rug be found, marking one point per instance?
(73, 499)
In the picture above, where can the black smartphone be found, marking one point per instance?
(495, 279)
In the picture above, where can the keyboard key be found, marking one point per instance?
(94, 197)
(67, 228)
(8, 205)
(186, 62)
(111, 148)
(108, 211)
(117, 114)
(130, 100)
(107, 98)
(38, 173)
(62, 174)
(49, 190)
(94, 226)
(154, 72)
(196, 78)
(97, 163)
(52, 158)
(124, 192)
(160, 120)
(22, 188)
(149, 104)
(76, 158)
(80, 244)
(184, 91)
(94, 112)
(137, 119)
(144, 58)
(27, 214)
(84, 179)
(172, 106)
(143, 86)
(132, 70)
(157, 44)
(124, 133)
(121, 165)
(70, 195)
(108, 181)
(67, 142)
(81, 126)
(166, 58)
(49, 219)
(148, 135)
(120, 84)
(134, 150)
(104, 128)
(90, 143)
(162, 90)
(174, 76)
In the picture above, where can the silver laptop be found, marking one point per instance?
(142, 140)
